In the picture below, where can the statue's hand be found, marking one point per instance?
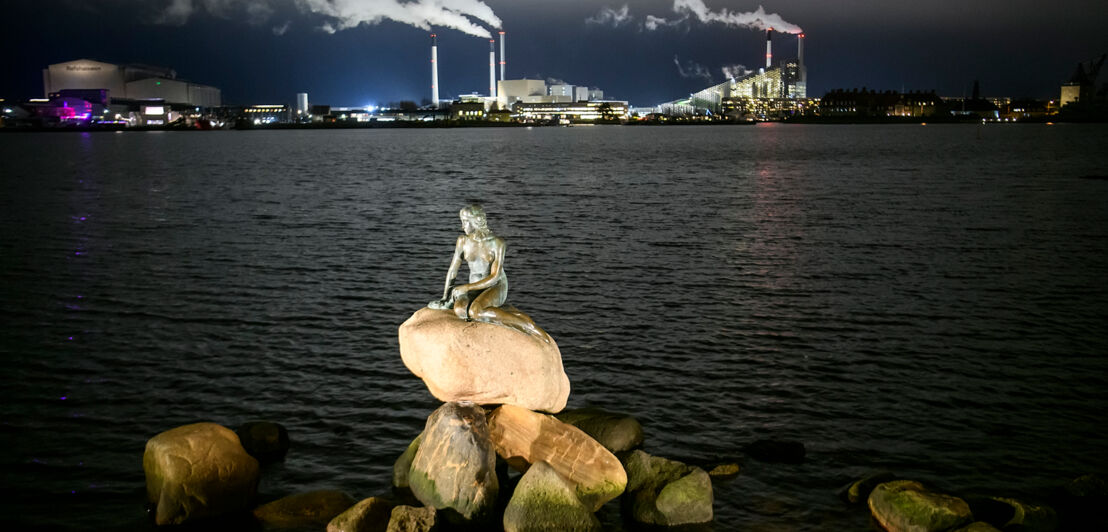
(441, 304)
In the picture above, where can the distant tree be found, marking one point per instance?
(407, 105)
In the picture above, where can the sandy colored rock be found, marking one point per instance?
(906, 506)
(368, 515)
(725, 471)
(666, 492)
(616, 432)
(310, 509)
(454, 467)
(198, 470)
(412, 519)
(525, 437)
(482, 362)
(545, 501)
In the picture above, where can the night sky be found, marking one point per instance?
(265, 51)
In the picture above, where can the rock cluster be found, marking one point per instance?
(500, 388)
(906, 505)
(498, 385)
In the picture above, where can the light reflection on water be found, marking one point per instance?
(894, 297)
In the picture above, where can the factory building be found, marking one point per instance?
(510, 91)
(128, 82)
(571, 111)
(768, 92)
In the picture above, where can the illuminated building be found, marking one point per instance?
(510, 91)
(128, 82)
(571, 111)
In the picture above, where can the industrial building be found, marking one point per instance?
(128, 82)
(586, 111)
(772, 91)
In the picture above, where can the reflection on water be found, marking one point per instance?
(909, 298)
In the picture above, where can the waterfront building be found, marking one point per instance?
(510, 91)
(128, 82)
(571, 111)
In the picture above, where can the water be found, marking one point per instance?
(931, 300)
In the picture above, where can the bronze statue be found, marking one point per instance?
(483, 297)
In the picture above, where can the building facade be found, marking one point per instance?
(128, 82)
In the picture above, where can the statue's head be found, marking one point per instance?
(473, 219)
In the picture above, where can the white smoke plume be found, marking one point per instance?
(613, 17)
(758, 19)
(467, 16)
(692, 69)
(280, 30)
(652, 22)
(735, 71)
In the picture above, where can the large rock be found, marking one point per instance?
(906, 506)
(616, 432)
(411, 519)
(266, 441)
(1029, 517)
(369, 515)
(198, 470)
(524, 437)
(482, 362)
(544, 501)
(403, 465)
(311, 509)
(666, 492)
(454, 467)
(859, 490)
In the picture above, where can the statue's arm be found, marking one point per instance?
(455, 263)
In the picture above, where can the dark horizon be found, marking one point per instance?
(269, 53)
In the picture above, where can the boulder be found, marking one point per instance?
(403, 465)
(776, 451)
(545, 501)
(198, 470)
(312, 509)
(859, 490)
(369, 515)
(482, 362)
(1029, 517)
(1081, 503)
(724, 471)
(905, 505)
(666, 492)
(412, 519)
(266, 441)
(616, 432)
(978, 526)
(524, 437)
(454, 467)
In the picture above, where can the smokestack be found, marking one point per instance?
(492, 68)
(435, 70)
(800, 57)
(769, 49)
(502, 60)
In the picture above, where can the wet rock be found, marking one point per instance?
(776, 451)
(724, 471)
(199, 470)
(616, 432)
(905, 505)
(859, 490)
(545, 501)
(368, 515)
(524, 437)
(990, 510)
(666, 492)
(482, 362)
(454, 467)
(412, 519)
(403, 465)
(267, 442)
(1029, 517)
(311, 509)
(978, 526)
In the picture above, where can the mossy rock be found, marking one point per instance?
(905, 505)
(368, 515)
(544, 501)
(666, 492)
(311, 509)
(616, 432)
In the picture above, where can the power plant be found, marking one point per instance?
(774, 90)
(434, 70)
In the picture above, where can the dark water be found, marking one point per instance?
(931, 300)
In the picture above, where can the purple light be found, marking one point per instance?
(83, 218)
(70, 337)
(64, 397)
